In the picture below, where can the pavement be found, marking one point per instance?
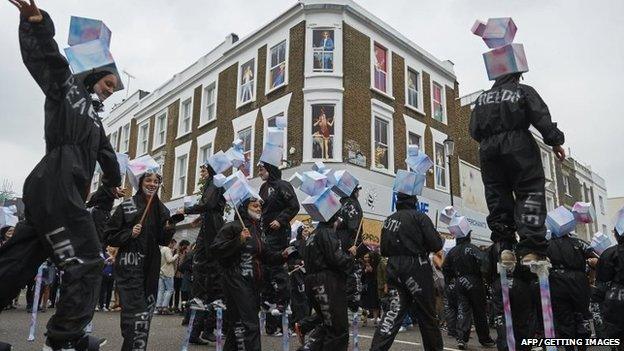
(167, 334)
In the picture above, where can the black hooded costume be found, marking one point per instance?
(298, 299)
(280, 204)
(206, 269)
(242, 278)
(569, 287)
(463, 264)
(609, 291)
(511, 164)
(57, 223)
(327, 267)
(137, 264)
(407, 238)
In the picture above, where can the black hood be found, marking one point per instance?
(507, 79)
(274, 172)
(102, 199)
(464, 240)
(406, 202)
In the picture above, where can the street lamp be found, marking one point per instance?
(449, 148)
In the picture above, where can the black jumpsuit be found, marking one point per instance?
(280, 204)
(206, 269)
(327, 267)
(569, 287)
(242, 276)
(511, 163)
(609, 292)
(407, 238)
(57, 223)
(463, 263)
(137, 264)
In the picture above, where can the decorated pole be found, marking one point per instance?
(35, 304)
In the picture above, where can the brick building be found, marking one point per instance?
(355, 93)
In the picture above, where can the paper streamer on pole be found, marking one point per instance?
(356, 330)
(219, 331)
(35, 304)
(511, 340)
(189, 330)
(541, 269)
(285, 331)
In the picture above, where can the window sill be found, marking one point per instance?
(181, 135)
(382, 171)
(176, 196)
(140, 154)
(246, 103)
(444, 120)
(331, 160)
(201, 124)
(154, 148)
(270, 90)
(414, 109)
(323, 74)
(383, 93)
(438, 188)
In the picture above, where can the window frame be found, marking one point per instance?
(268, 89)
(243, 122)
(419, 90)
(125, 142)
(547, 166)
(156, 145)
(181, 120)
(179, 151)
(272, 109)
(385, 112)
(203, 116)
(314, 51)
(601, 204)
(113, 139)
(438, 137)
(202, 141)
(566, 185)
(140, 127)
(239, 103)
(443, 102)
(388, 72)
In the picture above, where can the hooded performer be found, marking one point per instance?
(279, 208)
(609, 292)
(511, 163)
(137, 264)
(407, 238)
(241, 250)
(206, 270)
(57, 223)
(327, 267)
(463, 265)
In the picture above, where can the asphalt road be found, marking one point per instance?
(167, 334)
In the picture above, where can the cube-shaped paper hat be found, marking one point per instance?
(122, 160)
(319, 166)
(7, 217)
(584, 212)
(140, 166)
(233, 178)
(272, 154)
(275, 136)
(448, 245)
(219, 180)
(417, 160)
(219, 162)
(296, 180)
(82, 30)
(506, 57)
(600, 242)
(236, 153)
(459, 227)
(313, 183)
(560, 221)
(343, 182)
(240, 191)
(323, 206)
(447, 214)
(619, 222)
(408, 183)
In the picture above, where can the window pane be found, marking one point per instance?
(412, 88)
(247, 74)
(245, 136)
(380, 67)
(323, 50)
(440, 165)
(323, 131)
(413, 139)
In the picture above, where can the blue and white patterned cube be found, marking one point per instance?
(272, 155)
(296, 180)
(412, 150)
(281, 122)
(448, 245)
(7, 217)
(459, 227)
(236, 156)
(233, 178)
(408, 183)
(600, 242)
(219, 180)
(447, 214)
(498, 32)
(419, 163)
(560, 221)
(275, 137)
(82, 30)
(219, 162)
(319, 166)
(239, 192)
(89, 57)
(322, 206)
(122, 160)
(584, 212)
(313, 183)
(140, 166)
(619, 222)
(343, 183)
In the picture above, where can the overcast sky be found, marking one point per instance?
(575, 50)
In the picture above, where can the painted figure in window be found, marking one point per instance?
(439, 160)
(278, 75)
(381, 156)
(380, 68)
(323, 50)
(438, 109)
(247, 80)
(412, 89)
(323, 127)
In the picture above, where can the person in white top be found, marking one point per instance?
(167, 272)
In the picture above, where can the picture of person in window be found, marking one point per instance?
(247, 82)
(279, 75)
(324, 51)
(323, 133)
(380, 69)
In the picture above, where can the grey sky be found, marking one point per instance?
(574, 48)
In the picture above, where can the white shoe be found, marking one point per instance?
(402, 329)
